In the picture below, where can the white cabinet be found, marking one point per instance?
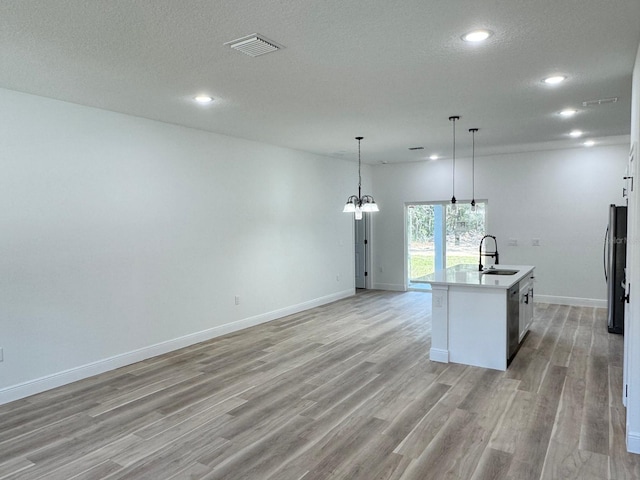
(526, 305)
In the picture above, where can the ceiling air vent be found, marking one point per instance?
(601, 101)
(416, 148)
(254, 45)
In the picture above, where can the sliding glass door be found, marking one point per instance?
(439, 236)
(422, 223)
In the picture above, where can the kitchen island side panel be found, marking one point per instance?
(439, 324)
(477, 326)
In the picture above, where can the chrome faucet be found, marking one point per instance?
(488, 254)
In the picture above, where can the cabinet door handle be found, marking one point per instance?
(627, 297)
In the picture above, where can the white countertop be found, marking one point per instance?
(469, 276)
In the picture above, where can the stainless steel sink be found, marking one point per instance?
(495, 271)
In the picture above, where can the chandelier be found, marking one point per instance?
(360, 203)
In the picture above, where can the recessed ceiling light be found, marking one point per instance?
(433, 157)
(477, 36)
(555, 79)
(575, 133)
(568, 112)
(203, 99)
(589, 143)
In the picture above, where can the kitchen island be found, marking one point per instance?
(480, 318)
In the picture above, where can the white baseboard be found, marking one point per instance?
(31, 387)
(439, 355)
(393, 287)
(633, 442)
(571, 301)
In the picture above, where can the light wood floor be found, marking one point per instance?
(343, 391)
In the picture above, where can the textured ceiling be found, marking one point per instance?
(392, 71)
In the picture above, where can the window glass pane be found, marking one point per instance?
(420, 228)
(439, 236)
(465, 229)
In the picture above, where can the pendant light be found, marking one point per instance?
(360, 203)
(454, 207)
(473, 168)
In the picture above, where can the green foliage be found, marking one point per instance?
(422, 221)
(464, 220)
(423, 265)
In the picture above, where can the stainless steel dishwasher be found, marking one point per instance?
(513, 321)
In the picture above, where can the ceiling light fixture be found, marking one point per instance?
(434, 157)
(473, 168)
(453, 172)
(203, 99)
(360, 203)
(589, 143)
(477, 36)
(555, 79)
(600, 101)
(568, 112)
(575, 133)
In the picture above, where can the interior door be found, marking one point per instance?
(360, 250)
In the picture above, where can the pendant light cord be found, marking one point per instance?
(473, 163)
(453, 172)
(359, 175)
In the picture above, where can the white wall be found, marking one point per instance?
(632, 312)
(558, 196)
(124, 237)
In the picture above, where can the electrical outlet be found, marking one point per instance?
(337, 278)
(437, 301)
(535, 242)
(237, 299)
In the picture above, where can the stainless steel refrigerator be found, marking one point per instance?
(615, 259)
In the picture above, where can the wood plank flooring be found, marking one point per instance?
(343, 391)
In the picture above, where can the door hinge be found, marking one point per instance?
(366, 274)
(627, 297)
(626, 391)
(366, 241)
